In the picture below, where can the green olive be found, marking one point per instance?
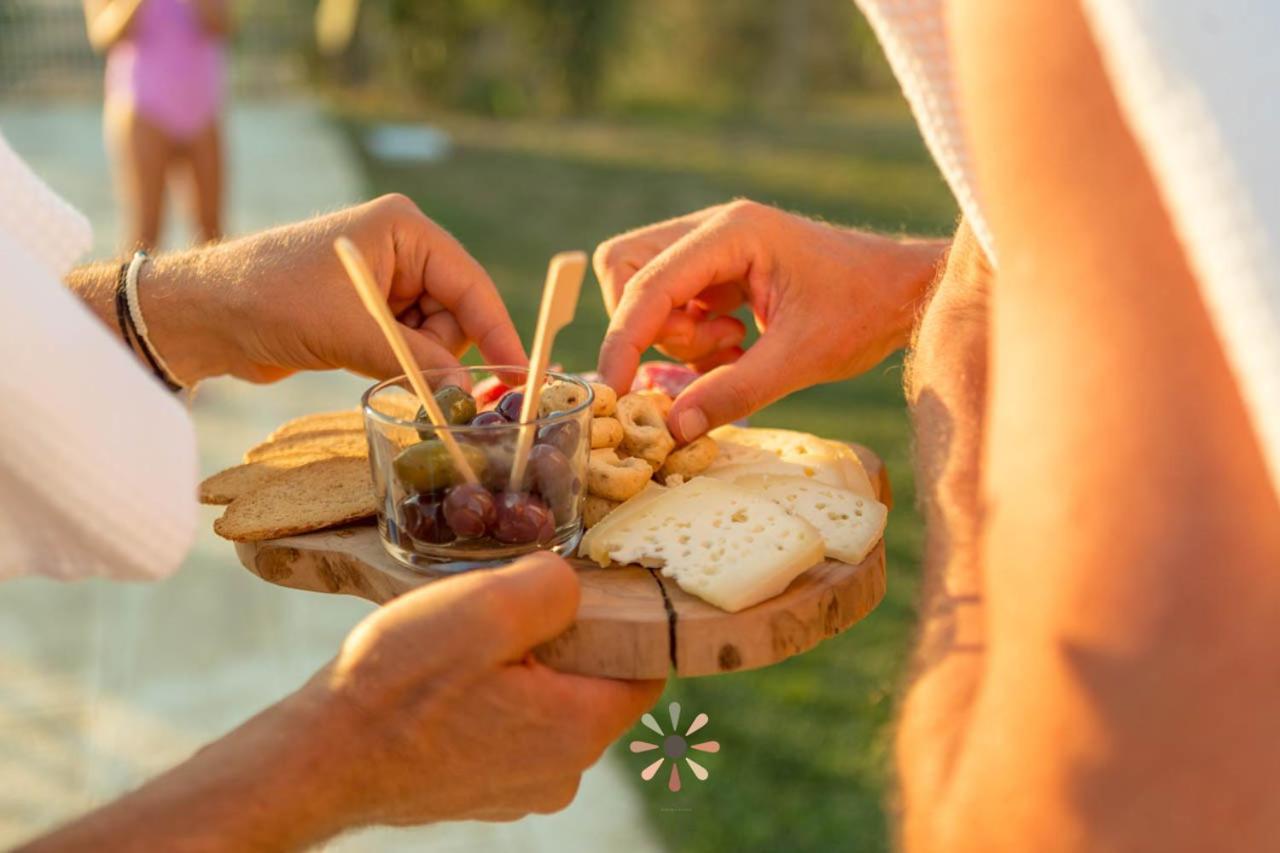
(426, 431)
(457, 406)
(427, 466)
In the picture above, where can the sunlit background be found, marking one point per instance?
(525, 127)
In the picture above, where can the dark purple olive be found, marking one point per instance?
(565, 436)
(509, 406)
(486, 437)
(469, 510)
(552, 477)
(422, 517)
(522, 519)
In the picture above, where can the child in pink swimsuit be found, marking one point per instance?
(170, 68)
(165, 88)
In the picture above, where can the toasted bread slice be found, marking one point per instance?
(321, 494)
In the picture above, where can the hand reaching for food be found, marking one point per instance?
(830, 303)
(267, 305)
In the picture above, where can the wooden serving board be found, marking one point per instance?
(632, 622)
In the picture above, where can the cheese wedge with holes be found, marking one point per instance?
(728, 546)
(786, 453)
(850, 524)
(623, 511)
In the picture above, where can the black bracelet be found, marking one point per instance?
(130, 333)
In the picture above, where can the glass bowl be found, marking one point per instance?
(429, 517)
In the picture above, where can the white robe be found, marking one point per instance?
(98, 464)
(1197, 81)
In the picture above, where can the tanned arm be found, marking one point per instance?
(1127, 696)
(108, 21)
(946, 389)
(265, 786)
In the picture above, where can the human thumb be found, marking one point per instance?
(763, 374)
(372, 355)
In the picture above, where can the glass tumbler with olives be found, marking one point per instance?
(431, 515)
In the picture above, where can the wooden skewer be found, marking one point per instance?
(376, 305)
(559, 301)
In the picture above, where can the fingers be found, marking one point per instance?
(764, 373)
(617, 259)
(608, 707)
(692, 340)
(411, 317)
(462, 625)
(720, 299)
(443, 328)
(537, 599)
(368, 353)
(717, 253)
(718, 359)
(543, 797)
(429, 261)
(483, 317)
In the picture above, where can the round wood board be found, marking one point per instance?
(632, 622)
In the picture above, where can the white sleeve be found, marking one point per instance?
(1197, 83)
(913, 36)
(98, 462)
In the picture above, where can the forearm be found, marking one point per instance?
(910, 271)
(946, 386)
(185, 322)
(1131, 535)
(108, 22)
(272, 784)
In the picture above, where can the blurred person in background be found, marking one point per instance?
(164, 95)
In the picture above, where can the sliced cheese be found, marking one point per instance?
(730, 452)
(621, 513)
(728, 546)
(786, 453)
(850, 524)
(777, 441)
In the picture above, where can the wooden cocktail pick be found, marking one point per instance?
(559, 301)
(376, 305)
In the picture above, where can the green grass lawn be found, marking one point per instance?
(806, 744)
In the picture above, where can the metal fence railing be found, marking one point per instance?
(44, 52)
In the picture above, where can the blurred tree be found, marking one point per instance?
(580, 56)
(742, 56)
(578, 37)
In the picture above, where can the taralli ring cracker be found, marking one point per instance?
(614, 478)
(692, 459)
(660, 398)
(644, 430)
(605, 402)
(605, 432)
(595, 508)
(559, 397)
